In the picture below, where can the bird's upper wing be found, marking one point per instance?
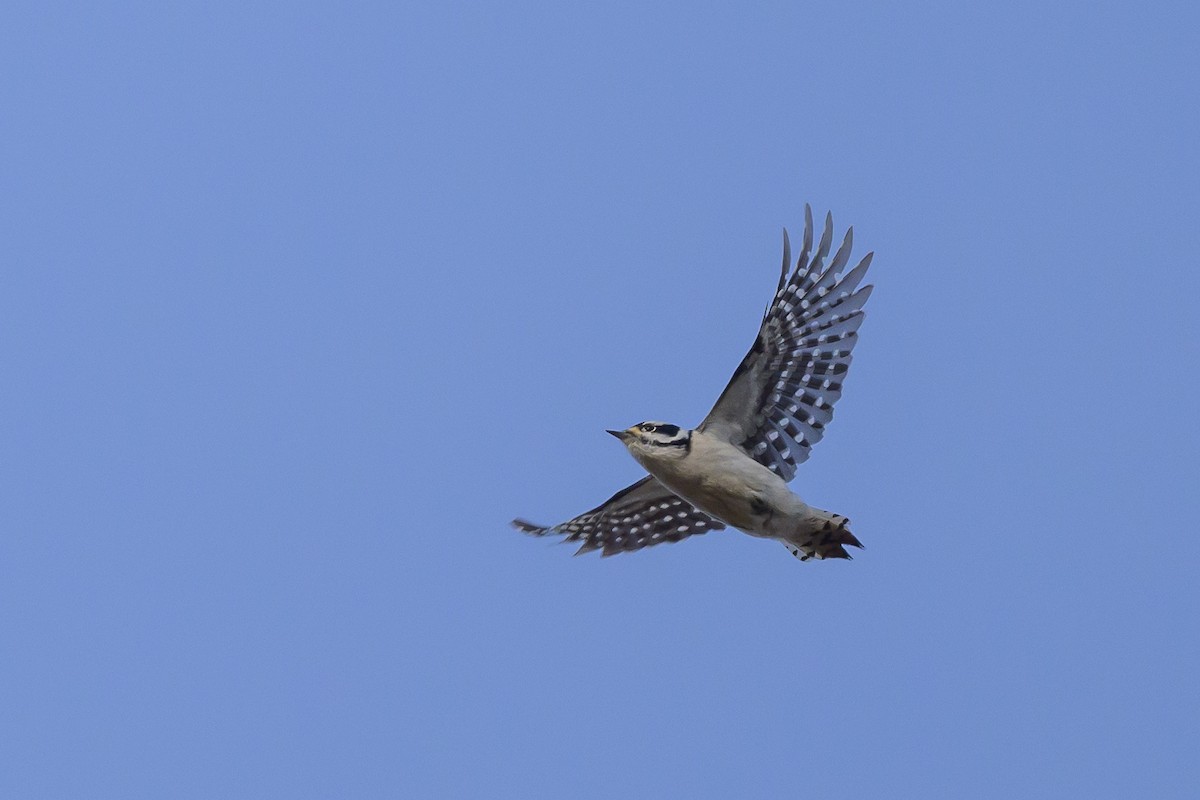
(781, 396)
(644, 514)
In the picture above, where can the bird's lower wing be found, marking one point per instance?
(644, 514)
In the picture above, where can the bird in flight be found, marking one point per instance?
(733, 469)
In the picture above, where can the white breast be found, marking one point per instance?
(721, 480)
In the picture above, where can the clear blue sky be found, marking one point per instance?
(300, 305)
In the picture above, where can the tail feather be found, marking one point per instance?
(828, 541)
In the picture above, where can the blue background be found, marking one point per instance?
(300, 304)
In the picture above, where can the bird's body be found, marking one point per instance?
(722, 481)
(734, 467)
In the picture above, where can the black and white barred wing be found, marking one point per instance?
(781, 396)
(641, 515)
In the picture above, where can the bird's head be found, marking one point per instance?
(655, 440)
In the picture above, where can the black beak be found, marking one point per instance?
(619, 434)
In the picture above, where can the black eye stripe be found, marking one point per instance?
(659, 427)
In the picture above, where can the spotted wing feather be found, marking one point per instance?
(644, 514)
(781, 396)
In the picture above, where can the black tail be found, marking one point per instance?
(828, 541)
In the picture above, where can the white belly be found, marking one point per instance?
(723, 481)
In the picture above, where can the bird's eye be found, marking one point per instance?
(649, 428)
